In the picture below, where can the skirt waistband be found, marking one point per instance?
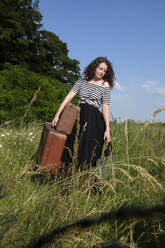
(89, 105)
(85, 107)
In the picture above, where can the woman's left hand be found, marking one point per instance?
(107, 136)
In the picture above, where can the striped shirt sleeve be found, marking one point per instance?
(106, 96)
(76, 86)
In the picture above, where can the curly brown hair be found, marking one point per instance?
(89, 71)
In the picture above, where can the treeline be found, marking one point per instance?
(31, 57)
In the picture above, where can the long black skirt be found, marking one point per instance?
(90, 138)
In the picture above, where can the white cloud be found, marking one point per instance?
(151, 87)
(160, 91)
(117, 86)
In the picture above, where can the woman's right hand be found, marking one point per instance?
(54, 121)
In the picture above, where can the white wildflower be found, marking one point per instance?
(2, 135)
(30, 134)
(31, 140)
(0, 146)
(7, 133)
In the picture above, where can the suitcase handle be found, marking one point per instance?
(50, 124)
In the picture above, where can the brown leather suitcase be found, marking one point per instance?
(68, 118)
(50, 149)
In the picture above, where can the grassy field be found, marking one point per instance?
(32, 205)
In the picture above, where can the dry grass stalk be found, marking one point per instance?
(125, 173)
(25, 170)
(146, 175)
(153, 116)
(110, 187)
(126, 128)
(121, 202)
(29, 199)
(126, 137)
(111, 184)
(31, 102)
(148, 123)
(153, 161)
(156, 112)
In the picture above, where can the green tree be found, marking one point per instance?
(22, 42)
(51, 58)
(19, 27)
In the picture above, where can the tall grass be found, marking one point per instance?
(31, 204)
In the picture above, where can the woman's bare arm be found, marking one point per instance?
(105, 109)
(67, 99)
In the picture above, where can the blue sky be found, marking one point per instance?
(130, 33)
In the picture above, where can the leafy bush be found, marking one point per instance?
(18, 86)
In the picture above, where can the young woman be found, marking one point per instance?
(94, 92)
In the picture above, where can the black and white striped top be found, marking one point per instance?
(91, 93)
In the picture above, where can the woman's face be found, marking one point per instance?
(100, 70)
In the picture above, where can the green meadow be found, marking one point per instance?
(32, 204)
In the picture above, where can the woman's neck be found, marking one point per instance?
(97, 81)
